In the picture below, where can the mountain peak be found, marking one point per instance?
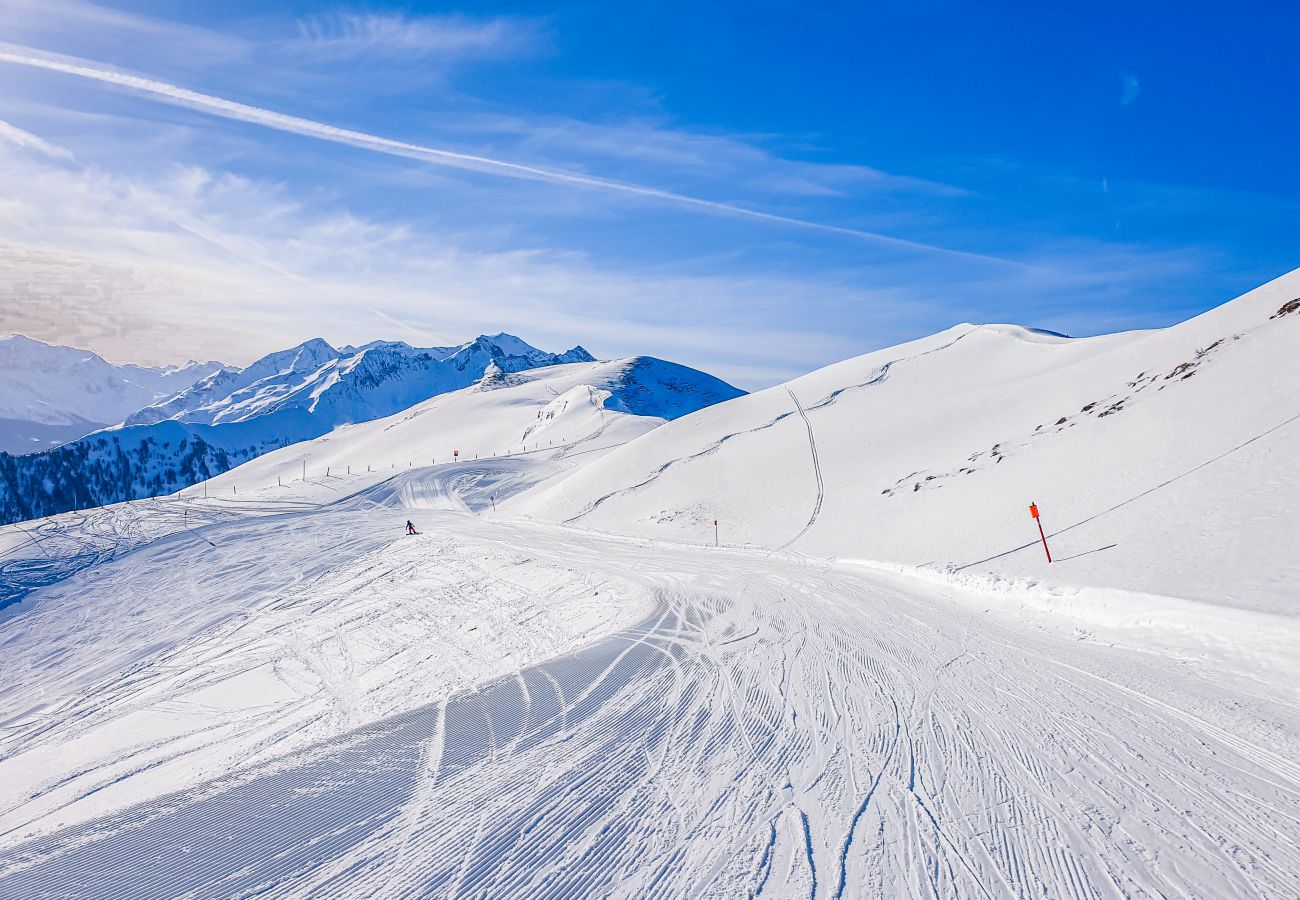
(318, 348)
(511, 345)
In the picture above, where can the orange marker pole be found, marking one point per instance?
(1033, 511)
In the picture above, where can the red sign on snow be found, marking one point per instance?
(1033, 510)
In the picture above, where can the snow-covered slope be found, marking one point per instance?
(287, 699)
(51, 394)
(264, 686)
(1165, 462)
(302, 403)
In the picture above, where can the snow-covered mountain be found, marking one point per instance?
(232, 416)
(351, 385)
(592, 406)
(50, 394)
(201, 401)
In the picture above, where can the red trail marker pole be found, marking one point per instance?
(1033, 511)
(715, 532)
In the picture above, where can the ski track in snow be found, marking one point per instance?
(881, 374)
(654, 476)
(776, 726)
(817, 473)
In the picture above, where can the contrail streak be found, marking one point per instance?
(242, 112)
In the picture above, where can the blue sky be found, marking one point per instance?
(756, 189)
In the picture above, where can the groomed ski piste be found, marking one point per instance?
(561, 688)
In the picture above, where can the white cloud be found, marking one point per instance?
(17, 136)
(689, 155)
(1131, 90)
(350, 34)
(185, 262)
(95, 28)
(231, 109)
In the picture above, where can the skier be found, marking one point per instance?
(410, 529)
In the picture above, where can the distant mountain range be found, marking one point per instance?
(337, 387)
(230, 415)
(51, 394)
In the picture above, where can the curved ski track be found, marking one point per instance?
(817, 474)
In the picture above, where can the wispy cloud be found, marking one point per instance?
(182, 261)
(95, 28)
(232, 109)
(17, 136)
(349, 34)
(754, 161)
(1131, 89)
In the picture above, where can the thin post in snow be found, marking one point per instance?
(1033, 511)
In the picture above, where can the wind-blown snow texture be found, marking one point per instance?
(50, 395)
(231, 417)
(273, 691)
